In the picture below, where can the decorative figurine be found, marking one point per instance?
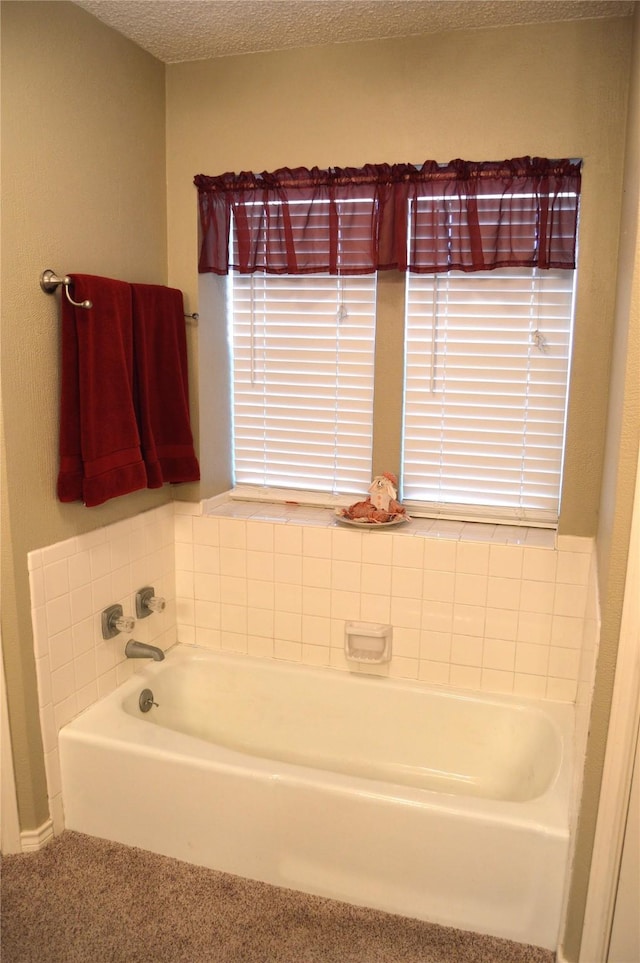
(383, 490)
(381, 507)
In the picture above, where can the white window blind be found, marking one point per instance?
(487, 362)
(303, 371)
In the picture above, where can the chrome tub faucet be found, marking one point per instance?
(141, 650)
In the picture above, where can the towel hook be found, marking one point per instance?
(49, 281)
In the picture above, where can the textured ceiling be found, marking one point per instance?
(180, 30)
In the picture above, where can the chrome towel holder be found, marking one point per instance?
(49, 282)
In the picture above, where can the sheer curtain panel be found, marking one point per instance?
(464, 216)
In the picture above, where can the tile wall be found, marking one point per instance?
(71, 583)
(484, 607)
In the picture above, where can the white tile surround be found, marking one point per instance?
(487, 607)
(71, 583)
(483, 607)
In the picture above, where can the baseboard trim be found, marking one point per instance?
(31, 840)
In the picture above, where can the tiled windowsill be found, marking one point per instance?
(221, 506)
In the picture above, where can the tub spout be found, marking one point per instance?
(140, 650)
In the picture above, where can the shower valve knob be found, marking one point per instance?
(147, 602)
(114, 622)
(125, 624)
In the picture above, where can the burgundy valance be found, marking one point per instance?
(463, 216)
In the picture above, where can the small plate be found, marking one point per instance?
(363, 523)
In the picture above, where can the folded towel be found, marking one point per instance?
(100, 455)
(162, 384)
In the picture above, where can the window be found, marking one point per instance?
(486, 377)
(487, 254)
(485, 388)
(303, 369)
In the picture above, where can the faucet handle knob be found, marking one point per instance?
(147, 602)
(125, 623)
(114, 621)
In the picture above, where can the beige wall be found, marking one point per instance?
(555, 90)
(83, 180)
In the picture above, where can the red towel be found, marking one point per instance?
(162, 384)
(100, 455)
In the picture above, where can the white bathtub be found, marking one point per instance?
(438, 805)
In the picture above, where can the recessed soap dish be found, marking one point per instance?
(368, 642)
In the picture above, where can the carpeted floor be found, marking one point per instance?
(85, 900)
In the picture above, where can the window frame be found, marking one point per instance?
(388, 416)
(553, 381)
(388, 439)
